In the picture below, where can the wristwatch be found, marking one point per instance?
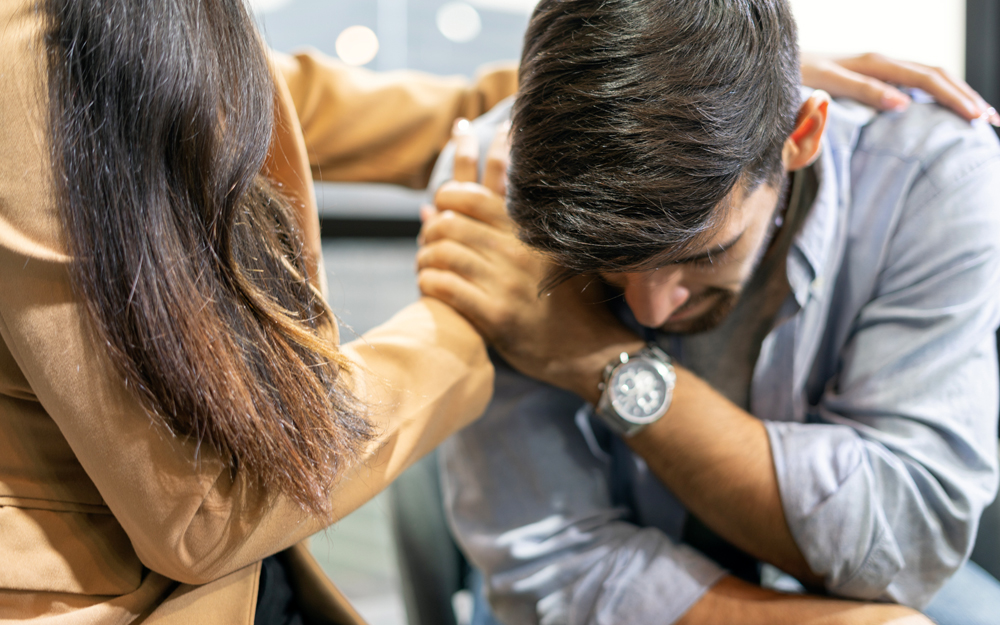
(637, 390)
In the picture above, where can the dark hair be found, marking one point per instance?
(636, 118)
(189, 262)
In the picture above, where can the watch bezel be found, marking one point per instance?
(666, 373)
(610, 414)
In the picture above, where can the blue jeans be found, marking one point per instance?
(481, 612)
(971, 597)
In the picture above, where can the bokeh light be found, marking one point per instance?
(459, 22)
(357, 45)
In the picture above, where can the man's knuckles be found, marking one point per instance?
(457, 191)
(450, 256)
(444, 285)
(445, 225)
(472, 233)
(471, 199)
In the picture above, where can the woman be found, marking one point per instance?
(174, 405)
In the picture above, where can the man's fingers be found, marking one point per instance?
(497, 161)
(448, 255)
(468, 231)
(427, 211)
(474, 200)
(465, 297)
(466, 152)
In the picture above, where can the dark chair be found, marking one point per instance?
(431, 566)
(987, 551)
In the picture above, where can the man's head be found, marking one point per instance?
(650, 143)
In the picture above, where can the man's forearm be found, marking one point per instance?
(716, 458)
(734, 601)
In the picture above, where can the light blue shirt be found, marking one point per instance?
(879, 395)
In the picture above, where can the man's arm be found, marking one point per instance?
(716, 458)
(527, 494)
(715, 455)
(907, 505)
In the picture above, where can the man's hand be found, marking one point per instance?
(868, 78)
(471, 259)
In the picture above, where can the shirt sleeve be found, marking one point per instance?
(529, 502)
(884, 488)
(369, 126)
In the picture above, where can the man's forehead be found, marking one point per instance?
(731, 220)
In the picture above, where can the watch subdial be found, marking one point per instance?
(640, 392)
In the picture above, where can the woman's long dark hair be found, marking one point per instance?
(189, 262)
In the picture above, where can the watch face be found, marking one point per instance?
(640, 390)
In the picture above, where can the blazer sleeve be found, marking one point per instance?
(424, 373)
(361, 125)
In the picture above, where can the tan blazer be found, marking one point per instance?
(102, 518)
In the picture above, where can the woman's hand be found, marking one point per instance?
(471, 259)
(868, 78)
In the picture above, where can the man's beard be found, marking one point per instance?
(725, 301)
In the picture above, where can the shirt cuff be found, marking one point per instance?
(830, 504)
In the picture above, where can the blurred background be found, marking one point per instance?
(369, 229)
(455, 37)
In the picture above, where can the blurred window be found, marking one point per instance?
(437, 36)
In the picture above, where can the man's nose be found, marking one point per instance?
(654, 295)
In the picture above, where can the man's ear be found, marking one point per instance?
(802, 146)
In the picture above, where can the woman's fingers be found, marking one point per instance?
(943, 87)
(497, 160)
(842, 82)
(466, 151)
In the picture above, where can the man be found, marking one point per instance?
(823, 279)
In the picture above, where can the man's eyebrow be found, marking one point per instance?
(716, 250)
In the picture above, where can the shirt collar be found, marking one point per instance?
(816, 242)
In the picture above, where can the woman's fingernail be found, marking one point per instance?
(894, 100)
(991, 116)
